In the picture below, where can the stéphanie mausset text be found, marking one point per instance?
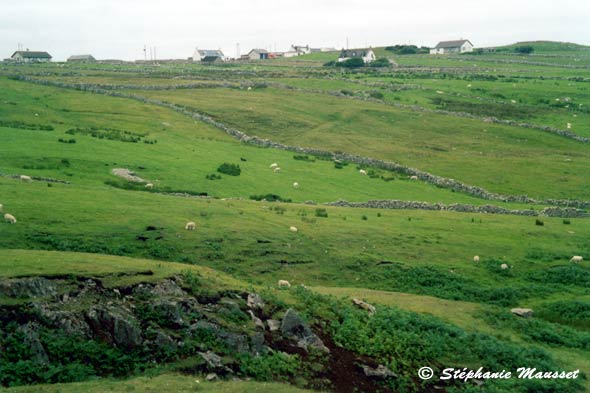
(521, 373)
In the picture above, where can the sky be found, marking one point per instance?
(120, 29)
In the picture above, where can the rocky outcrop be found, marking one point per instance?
(293, 327)
(116, 325)
(27, 287)
(522, 312)
(380, 372)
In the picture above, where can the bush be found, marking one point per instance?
(62, 140)
(524, 50)
(321, 212)
(539, 222)
(566, 221)
(307, 158)
(377, 95)
(355, 62)
(269, 198)
(380, 62)
(229, 169)
(213, 176)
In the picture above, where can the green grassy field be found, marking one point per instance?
(416, 266)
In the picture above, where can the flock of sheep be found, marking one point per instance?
(504, 266)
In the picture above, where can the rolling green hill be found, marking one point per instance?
(102, 288)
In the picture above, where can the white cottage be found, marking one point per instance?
(27, 56)
(448, 47)
(366, 54)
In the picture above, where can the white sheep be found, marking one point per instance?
(1, 207)
(476, 258)
(576, 259)
(414, 177)
(277, 169)
(9, 218)
(295, 185)
(284, 283)
(569, 126)
(293, 229)
(363, 172)
(25, 178)
(503, 266)
(273, 165)
(190, 226)
(149, 186)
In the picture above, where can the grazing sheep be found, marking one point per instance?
(503, 266)
(277, 169)
(273, 165)
(149, 186)
(295, 185)
(9, 218)
(569, 126)
(1, 207)
(294, 229)
(414, 177)
(284, 283)
(576, 259)
(190, 226)
(25, 178)
(363, 172)
(476, 258)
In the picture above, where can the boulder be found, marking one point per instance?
(273, 325)
(213, 361)
(522, 312)
(257, 321)
(295, 328)
(364, 305)
(115, 325)
(255, 302)
(168, 311)
(168, 288)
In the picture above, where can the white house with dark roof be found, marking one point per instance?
(448, 47)
(366, 54)
(27, 56)
(208, 55)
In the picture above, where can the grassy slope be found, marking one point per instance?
(469, 150)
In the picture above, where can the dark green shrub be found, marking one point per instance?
(229, 169)
(321, 212)
(539, 222)
(269, 198)
(377, 95)
(380, 62)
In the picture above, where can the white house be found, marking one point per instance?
(208, 55)
(28, 56)
(447, 47)
(366, 54)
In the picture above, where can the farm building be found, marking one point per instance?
(300, 49)
(81, 59)
(208, 55)
(446, 47)
(366, 54)
(257, 54)
(27, 56)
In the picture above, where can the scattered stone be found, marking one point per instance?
(273, 325)
(380, 372)
(364, 305)
(127, 175)
(255, 301)
(522, 312)
(211, 377)
(257, 321)
(213, 360)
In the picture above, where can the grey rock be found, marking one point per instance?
(163, 340)
(168, 288)
(257, 321)
(257, 343)
(31, 340)
(522, 312)
(381, 372)
(27, 287)
(273, 325)
(169, 311)
(116, 325)
(294, 327)
(364, 305)
(213, 360)
(211, 377)
(255, 301)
